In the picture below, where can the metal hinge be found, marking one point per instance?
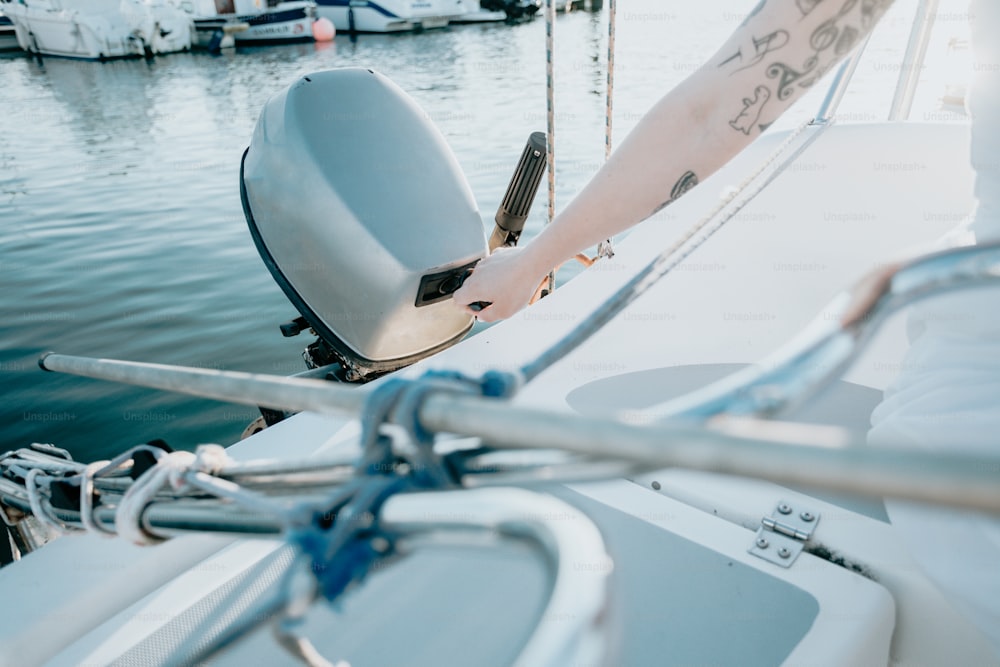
(782, 535)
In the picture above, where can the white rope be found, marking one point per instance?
(39, 504)
(35, 498)
(256, 502)
(170, 472)
(87, 499)
(97, 469)
(605, 249)
(173, 475)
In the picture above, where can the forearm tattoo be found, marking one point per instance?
(752, 108)
(686, 182)
(830, 41)
(757, 49)
(806, 6)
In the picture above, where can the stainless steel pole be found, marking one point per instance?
(949, 479)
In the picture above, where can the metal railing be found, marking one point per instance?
(682, 434)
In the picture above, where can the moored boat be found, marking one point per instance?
(222, 23)
(99, 29)
(390, 15)
(281, 21)
(8, 37)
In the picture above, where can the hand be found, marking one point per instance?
(507, 280)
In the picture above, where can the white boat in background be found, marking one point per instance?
(390, 15)
(221, 23)
(99, 29)
(279, 21)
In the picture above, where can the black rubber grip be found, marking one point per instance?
(516, 204)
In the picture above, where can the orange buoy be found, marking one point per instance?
(323, 30)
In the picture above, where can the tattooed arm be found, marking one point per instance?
(783, 48)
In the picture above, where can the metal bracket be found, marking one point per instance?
(782, 535)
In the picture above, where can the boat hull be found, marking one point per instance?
(287, 22)
(100, 30)
(389, 15)
(8, 36)
(215, 34)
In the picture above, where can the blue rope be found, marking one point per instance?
(339, 539)
(345, 553)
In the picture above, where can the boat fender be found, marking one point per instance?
(323, 30)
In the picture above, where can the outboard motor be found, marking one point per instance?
(362, 214)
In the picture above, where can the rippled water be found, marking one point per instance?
(122, 231)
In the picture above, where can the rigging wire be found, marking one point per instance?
(550, 118)
(605, 249)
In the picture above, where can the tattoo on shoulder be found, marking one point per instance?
(686, 182)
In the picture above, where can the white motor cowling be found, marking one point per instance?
(363, 216)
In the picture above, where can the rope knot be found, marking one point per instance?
(344, 552)
(171, 472)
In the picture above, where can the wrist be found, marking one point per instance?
(543, 253)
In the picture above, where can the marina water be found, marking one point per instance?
(122, 234)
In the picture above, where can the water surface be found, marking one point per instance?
(123, 235)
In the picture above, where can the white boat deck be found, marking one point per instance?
(686, 586)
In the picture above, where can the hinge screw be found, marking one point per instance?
(784, 552)
(785, 508)
(807, 516)
(762, 543)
